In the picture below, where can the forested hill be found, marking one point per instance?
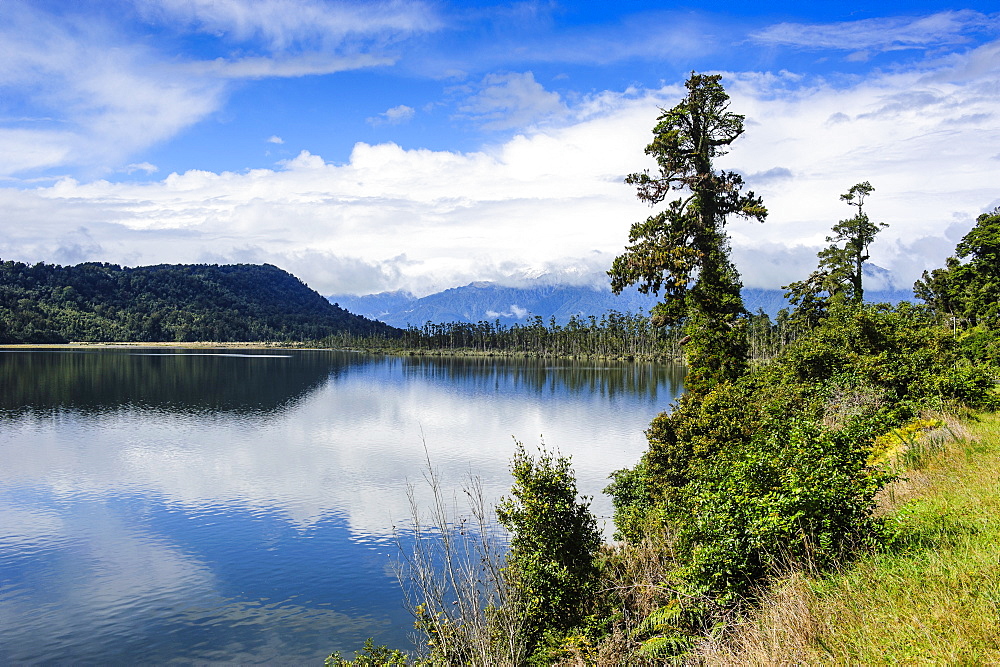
(48, 303)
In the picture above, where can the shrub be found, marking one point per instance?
(774, 469)
(554, 538)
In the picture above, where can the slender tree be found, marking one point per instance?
(841, 264)
(683, 251)
(856, 234)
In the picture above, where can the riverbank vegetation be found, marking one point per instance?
(613, 335)
(779, 508)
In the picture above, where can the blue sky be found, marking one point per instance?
(422, 145)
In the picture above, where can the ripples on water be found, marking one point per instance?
(238, 507)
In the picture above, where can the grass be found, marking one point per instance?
(931, 595)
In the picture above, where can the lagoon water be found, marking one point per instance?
(199, 506)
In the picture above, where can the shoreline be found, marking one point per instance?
(253, 345)
(402, 352)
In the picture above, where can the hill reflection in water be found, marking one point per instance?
(240, 382)
(159, 505)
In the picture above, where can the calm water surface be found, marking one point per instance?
(217, 506)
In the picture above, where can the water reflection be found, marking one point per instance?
(240, 508)
(175, 380)
(541, 376)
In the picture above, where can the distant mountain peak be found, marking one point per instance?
(484, 300)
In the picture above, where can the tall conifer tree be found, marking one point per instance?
(683, 251)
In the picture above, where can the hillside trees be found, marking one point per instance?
(968, 289)
(105, 302)
(683, 251)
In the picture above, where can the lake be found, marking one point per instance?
(196, 506)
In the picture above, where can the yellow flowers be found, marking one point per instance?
(890, 445)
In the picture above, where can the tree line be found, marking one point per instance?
(613, 335)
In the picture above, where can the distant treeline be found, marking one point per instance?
(612, 335)
(48, 303)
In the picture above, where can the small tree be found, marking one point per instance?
(840, 272)
(554, 538)
(684, 250)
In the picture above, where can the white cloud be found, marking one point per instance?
(513, 100)
(514, 311)
(552, 202)
(96, 98)
(275, 139)
(284, 25)
(144, 167)
(265, 67)
(881, 34)
(394, 116)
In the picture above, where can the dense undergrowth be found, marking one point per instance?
(782, 473)
(930, 593)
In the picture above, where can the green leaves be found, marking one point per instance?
(838, 278)
(554, 538)
(683, 251)
(969, 290)
(775, 469)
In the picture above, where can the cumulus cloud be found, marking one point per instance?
(275, 139)
(394, 116)
(550, 202)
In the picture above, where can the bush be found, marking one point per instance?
(554, 538)
(772, 470)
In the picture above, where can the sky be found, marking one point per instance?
(377, 146)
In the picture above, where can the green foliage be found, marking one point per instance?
(632, 501)
(798, 494)
(968, 290)
(615, 334)
(981, 343)
(369, 656)
(554, 538)
(48, 303)
(683, 251)
(774, 470)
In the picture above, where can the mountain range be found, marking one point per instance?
(489, 301)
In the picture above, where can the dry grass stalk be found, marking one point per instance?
(453, 577)
(782, 630)
(914, 479)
